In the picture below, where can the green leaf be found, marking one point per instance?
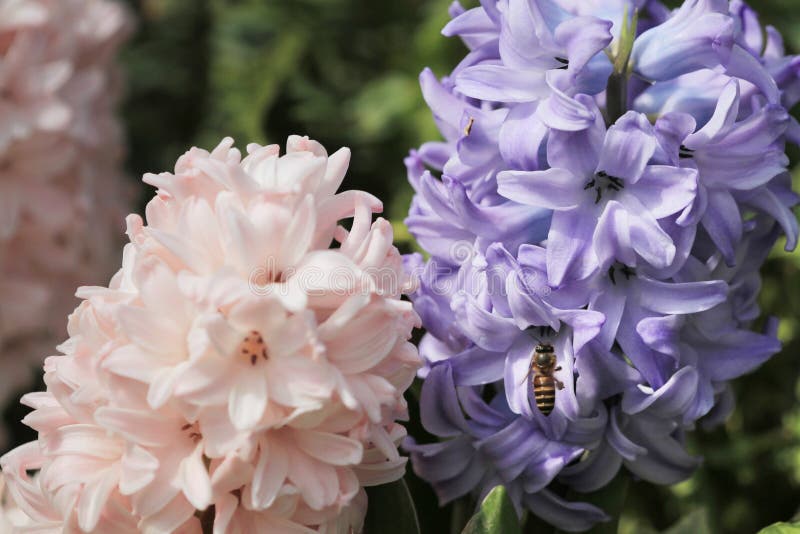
(695, 522)
(781, 528)
(390, 510)
(496, 515)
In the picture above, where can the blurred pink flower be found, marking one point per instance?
(250, 354)
(61, 189)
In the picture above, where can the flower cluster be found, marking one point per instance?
(245, 367)
(612, 177)
(62, 193)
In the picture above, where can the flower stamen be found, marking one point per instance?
(624, 269)
(253, 346)
(192, 431)
(603, 180)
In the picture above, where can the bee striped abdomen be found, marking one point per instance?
(544, 391)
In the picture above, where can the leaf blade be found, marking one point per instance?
(781, 528)
(495, 516)
(390, 510)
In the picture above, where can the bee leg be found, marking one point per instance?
(527, 376)
(559, 383)
(557, 369)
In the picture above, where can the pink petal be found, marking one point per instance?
(93, 499)
(194, 479)
(269, 475)
(137, 470)
(330, 448)
(247, 400)
(169, 518)
(141, 427)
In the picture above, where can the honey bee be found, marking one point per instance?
(540, 373)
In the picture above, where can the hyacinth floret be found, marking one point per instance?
(612, 176)
(242, 372)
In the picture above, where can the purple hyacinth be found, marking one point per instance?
(611, 178)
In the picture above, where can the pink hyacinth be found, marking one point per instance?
(61, 189)
(244, 368)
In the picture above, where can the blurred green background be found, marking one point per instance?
(345, 72)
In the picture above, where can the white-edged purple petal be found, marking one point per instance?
(556, 189)
(681, 298)
(497, 83)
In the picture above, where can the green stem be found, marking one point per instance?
(616, 97)
(617, 91)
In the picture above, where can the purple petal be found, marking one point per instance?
(628, 147)
(611, 303)
(544, 467)
(674, 298)
(479, 412)
(490, 6)
(683, 237)
(479, 146)
(439, 407)
(583, 38)
(671, 130)
(612, 237)
(695, 93)
(556, 189)
(497, 83)
(487, 330)
(522, 138)
(748, 155)
(498, 222)
(648, 239)
(724, 116)
(666, 461)
(737, 353)
(743, 65)
(719, 413)
(512, 447)
(626, 448)
(520, 47)
(664, 190)
(585, 325)
(602, 374)
(425, 460)
(653, 366)
(476, 366)
(593, 472)
(528, 310)
(569, 516)
(563, 112)
(670, 400)
(587, 430)
(661, 333)
(723, 222)
(516, 375)
(436, 462)
(577, 151)
(769, 202)
(568, 240)
(695, 37)
(470, 22)
(446, 107)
